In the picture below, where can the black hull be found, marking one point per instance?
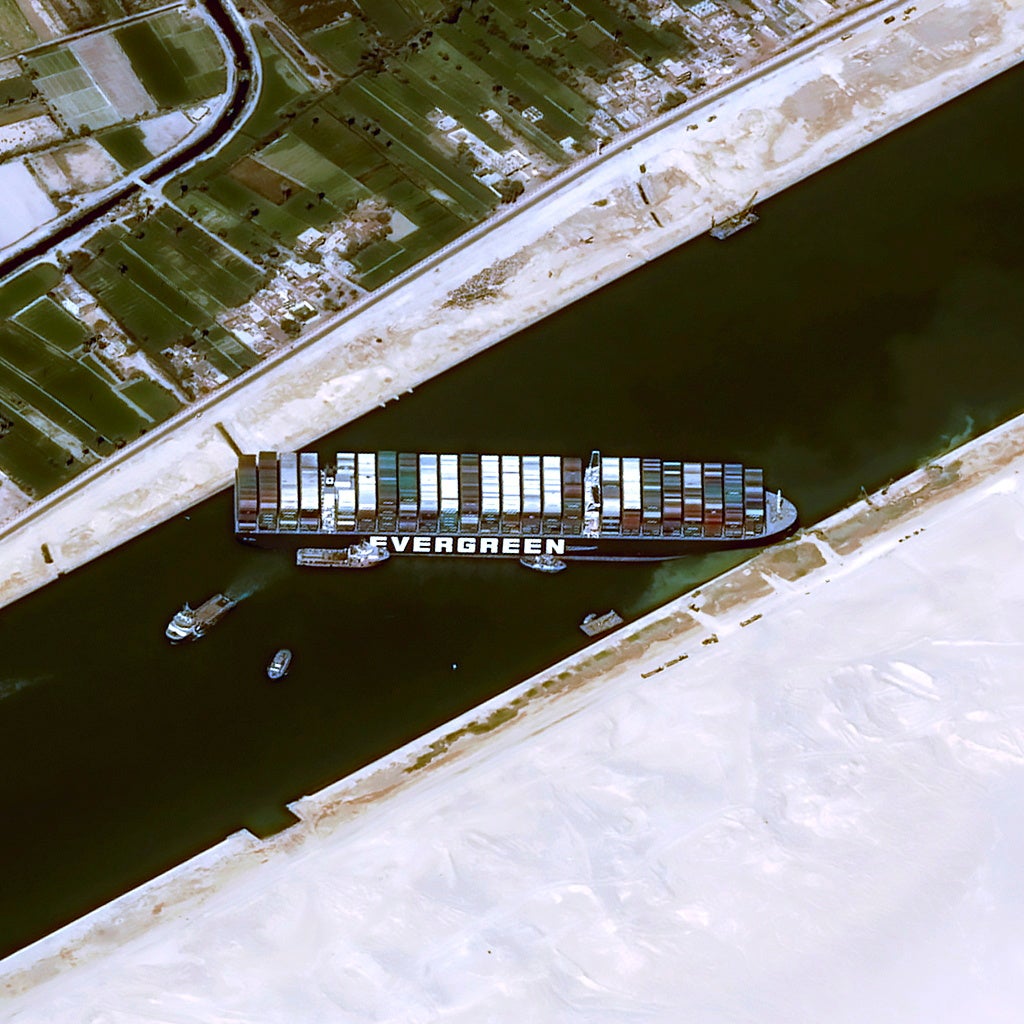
(568, 549)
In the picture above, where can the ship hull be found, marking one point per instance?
(575, 549)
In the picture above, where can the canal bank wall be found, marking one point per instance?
(852, 84)
(791, 794)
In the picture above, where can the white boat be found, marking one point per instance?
(192, 623)
(279, 664)
(543, 563)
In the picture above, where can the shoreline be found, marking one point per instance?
(677, 657)
(766, 135)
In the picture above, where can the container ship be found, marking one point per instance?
(544, 510)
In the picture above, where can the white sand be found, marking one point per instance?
(24, 206)
(823, 103)
(816, 818)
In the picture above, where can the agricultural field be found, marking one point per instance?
(164, 281)
(516, 75)
(79, 14)
(126, 145)
(70, 91)
(61, 406)
(15, 31)
(177, 58)
(441, 111)
(19, 101)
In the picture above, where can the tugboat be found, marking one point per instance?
(543, 563)
(356, 556)
(192, 623)
(279, 664)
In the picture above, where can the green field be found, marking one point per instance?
(165, 281)
(372, 135)
(16, 90)
(28, 286)
(15, 31)
(70, 90)
(125, 144)
(177, 59)
(60, 407)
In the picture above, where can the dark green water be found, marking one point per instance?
(874, 314)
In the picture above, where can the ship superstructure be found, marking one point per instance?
(506, 506)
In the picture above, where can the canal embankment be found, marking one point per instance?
(669, 186)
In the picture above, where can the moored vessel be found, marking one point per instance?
(363, 555)
(540, 509)
(192, 623)
(594, 624)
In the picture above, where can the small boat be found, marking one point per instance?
(356, 556)
(192, 623)
(594, 624)
(279, 664)
(543, 563)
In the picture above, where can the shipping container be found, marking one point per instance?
(733, 490)
(611, 495)
(429, 490)
(572, 495)
(753, 502)
(309, 491)
(409, 515)
(551, 467)
(387, 492)
(267, 508)
(632, 501)
(672, 498)
(713, 499)
(469, 493)
(288, 485)
(366, 491)
(693, 499)
(247, 493)
(511, 500)
(533, 497)
(449, 520)
(345, 490)
(490, 472)
(328, 507)
(651, 479)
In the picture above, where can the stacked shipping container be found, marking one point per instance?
(387, 492)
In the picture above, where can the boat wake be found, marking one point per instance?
(674, 578)
(12, 687)
(955, 440)
(255, 578)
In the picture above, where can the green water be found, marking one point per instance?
(872, 316)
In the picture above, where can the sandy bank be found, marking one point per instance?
(792, 795)
(763, 136)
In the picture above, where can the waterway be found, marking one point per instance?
(869, 321)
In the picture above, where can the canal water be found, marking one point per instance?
(872, 319)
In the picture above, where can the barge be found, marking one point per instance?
(541, 509)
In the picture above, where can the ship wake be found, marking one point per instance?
(257, 577)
